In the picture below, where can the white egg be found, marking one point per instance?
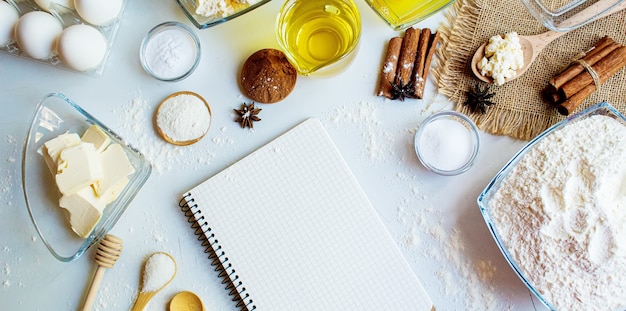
(36, 32)
(45, 4)
(81, 47)
(99, 12)
(8, 17)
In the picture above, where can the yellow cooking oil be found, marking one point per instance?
(315, 34)
(400, 14)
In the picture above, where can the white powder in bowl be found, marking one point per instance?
(445, 144)
(159, 269)
(183, 118)
(562, 212)
(172, 53)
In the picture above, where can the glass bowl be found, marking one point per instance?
(400, 14)
(485, 198)
(555, 14)
(170, 52)
(56, 114)
(189, 7)
(441, 152)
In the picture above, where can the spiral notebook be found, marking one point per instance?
(289, 228)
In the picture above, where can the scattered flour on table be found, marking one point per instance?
(8, 179)
(561, 213)
(378, 141)
(466, 280)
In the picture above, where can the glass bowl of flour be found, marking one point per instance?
(208, 13)
(557, 211)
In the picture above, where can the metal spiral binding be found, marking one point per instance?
(215, 253)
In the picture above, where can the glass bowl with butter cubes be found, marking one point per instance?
(78, 176)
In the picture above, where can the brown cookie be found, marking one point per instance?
(267, 76)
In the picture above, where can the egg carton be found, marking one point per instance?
(67, 17)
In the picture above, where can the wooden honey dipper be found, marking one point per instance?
(107, 254)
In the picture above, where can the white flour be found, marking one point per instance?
(183, 117)
(561, 213)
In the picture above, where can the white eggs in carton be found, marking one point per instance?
(8, 18)
(76, 35)
(36, 33)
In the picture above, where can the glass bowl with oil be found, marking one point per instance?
(401, 14)
(319, 36)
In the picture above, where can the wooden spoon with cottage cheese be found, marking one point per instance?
(533, 45)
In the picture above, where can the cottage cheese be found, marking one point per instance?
(503, 57)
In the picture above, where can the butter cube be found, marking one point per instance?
(114, 190)
(85, 210)
(78, 167)
(52, 148)
(97, 137)
(116, 168)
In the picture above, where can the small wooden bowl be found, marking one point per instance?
(169, 139)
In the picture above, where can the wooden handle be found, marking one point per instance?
(542, 40)
(93, 289)
(108, 252)
(598, 7)
(142, 300)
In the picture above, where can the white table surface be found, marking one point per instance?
(434, 219)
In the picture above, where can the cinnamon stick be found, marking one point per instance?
(390, 64)
(407, 57)
(569, 105)
(604, 68)
(421, 74)
(605, 46)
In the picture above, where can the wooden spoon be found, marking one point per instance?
(533, 45)
(186, 301)
(146, 294)
(107, 254)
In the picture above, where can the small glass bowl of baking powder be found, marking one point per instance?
(447, 143)
(170, 52)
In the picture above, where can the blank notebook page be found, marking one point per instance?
(300, 232)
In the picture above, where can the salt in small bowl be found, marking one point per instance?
(447, 143)
(170, 52)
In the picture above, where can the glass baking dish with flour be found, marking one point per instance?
(87, 36)
(487, 201)
(554, 14)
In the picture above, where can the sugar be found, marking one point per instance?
(158, 271)
(445, 144)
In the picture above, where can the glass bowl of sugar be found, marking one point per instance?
(170, 52)
(447, 143)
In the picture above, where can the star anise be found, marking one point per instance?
(479, 98)
(402, 91)
(247, 115)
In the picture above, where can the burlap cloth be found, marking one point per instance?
(519, 110)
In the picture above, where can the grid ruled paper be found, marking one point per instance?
(300, 232)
